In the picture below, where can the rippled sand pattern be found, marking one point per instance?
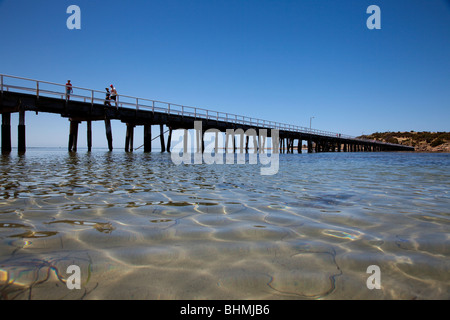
(140, 227)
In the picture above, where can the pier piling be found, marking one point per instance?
(21, 144)
(161, 137)
(73, 135)
(147, 138)
(89, 135)
(109, 134)
(169, 139)
(310, 146)
(129, 138)
(6, 133)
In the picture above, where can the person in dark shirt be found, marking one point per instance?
(108, 98)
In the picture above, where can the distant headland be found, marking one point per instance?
(421, 141)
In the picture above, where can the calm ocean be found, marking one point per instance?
(140, 227)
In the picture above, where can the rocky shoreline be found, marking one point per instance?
(421, 141)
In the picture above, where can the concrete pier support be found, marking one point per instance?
(283, 144)
(203, 141)
(262, 141)
(310, 146)
(161, 138)
(147, 138)
(129, 137)
(109, 134)
(73, 135)
(185, 141)
(247, 138)
(199, 140)
(6, 133)
(169, 140)
(255, 141)
(319, 147)
(227, 136)
(241, 142)
(333, 147)
(21, 143)
(89, 135)
(216, 143)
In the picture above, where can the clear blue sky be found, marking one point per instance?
(279, 60)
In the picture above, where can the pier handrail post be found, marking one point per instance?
(195, 113)
(153, 106)
(206, 114)
(168, 109)
(37, 89)
(1, 82)
(92, 97)
(137, 103)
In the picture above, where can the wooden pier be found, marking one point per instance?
(21, 95)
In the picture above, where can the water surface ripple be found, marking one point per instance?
(141, 227)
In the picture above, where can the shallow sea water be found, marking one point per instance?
(141, 227)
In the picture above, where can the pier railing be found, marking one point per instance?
(58, 90)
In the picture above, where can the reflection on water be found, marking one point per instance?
(140, 227)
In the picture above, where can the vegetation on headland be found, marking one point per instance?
(421, 141)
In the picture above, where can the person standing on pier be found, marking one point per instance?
(69, 89)
(114, 95)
